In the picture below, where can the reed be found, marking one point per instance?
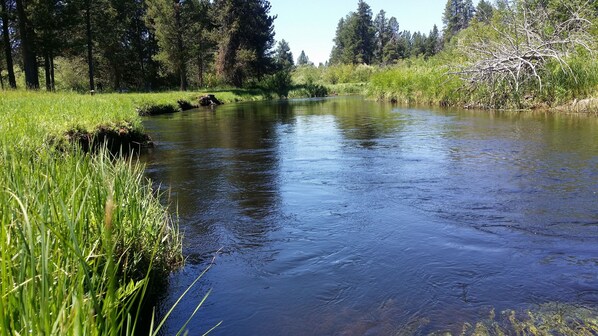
(85, 241)
(416, 82)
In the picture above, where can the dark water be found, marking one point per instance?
(349, 217)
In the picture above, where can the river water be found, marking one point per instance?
(343, 216)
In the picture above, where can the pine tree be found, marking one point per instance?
(303, 59)
(283, 56)
(354, 40)
(390, 52)
(27, 36)
(364, 33)
(382, 36)
(484, 11)
(246, 33)
(432, 42)
(166, 19)
(7, 43)
(456, 17)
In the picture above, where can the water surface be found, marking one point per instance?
(350, 217)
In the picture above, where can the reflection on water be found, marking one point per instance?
(344, 216)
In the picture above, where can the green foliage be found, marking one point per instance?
(456, 17)
(303, 59)
(152, 109)
(82, 239)
(544, 320)
(309, 90)
(283, 56)
(279, 83)
(416, 82)
(246, 37)
(354, 41)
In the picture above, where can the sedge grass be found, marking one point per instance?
(82, 237)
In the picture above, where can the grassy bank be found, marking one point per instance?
(84, 238)
(416, 82)
(432, 82)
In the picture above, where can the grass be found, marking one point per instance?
(85, 241)
(31, 119)
(84, 238)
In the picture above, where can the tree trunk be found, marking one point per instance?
(27, 47)
(7, 47)
(47, 71)
(181, 47)
(52, 78)
(1, 80)
(89, 46)
(200, 70)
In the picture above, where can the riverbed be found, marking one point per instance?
(347, 216)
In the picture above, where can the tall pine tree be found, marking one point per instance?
(246, 33)
(6, 41)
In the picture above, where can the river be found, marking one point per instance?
(343, 216)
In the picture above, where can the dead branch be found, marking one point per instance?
(528, 38)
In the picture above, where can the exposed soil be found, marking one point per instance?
(118, 140)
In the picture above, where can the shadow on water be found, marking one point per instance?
(345, 216)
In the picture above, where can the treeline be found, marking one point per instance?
(135, 44)
(364, 39)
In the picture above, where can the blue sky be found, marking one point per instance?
(310, 25)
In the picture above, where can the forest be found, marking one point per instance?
(519, 53)
(139, 45)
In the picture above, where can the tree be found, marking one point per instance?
(283, 56)
(390, 52)
(354, 40)
(166, 19)
(7, 44)
(27, 38)
(432, 42)
(55, 23)
(303, 59)
(484, 11)
(418, 44)
(456, 17)
(365, 33)
(382, 36)
(246, 33)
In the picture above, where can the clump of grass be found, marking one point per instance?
(416, 82)
(83, 238)
(310, 90)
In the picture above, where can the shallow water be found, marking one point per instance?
(350, 217)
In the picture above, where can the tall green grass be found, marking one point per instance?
(83, 240)
(416, 82)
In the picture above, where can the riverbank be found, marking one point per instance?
(434, 82)
(86, 240)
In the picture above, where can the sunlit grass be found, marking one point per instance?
(418, 82)
(83, 239)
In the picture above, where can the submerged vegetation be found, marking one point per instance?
(547, 319)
